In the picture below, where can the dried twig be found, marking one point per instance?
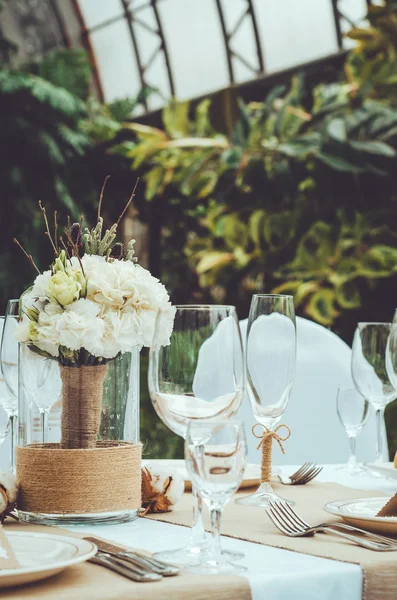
(101, 197)
(129, 202)
(65, 248)
(48, 232)
(56, 230)
(28, 256)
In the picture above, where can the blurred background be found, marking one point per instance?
(264, 133)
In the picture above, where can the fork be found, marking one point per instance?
(291, 524)
(306, 473)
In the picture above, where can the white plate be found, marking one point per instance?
(252, 473)
(362, 512)
(41, 555)
(386, 469)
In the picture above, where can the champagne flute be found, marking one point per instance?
(370, 373)
(199, 375)
(215, 453)
(9, 366)
(352, 409)
(40, 382)
(270, 367)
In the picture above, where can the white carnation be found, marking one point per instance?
(40, 286)
(80, 327)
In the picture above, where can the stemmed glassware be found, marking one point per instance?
(39, 382)
(352, 409)
(9, 367)
(199, 375)
(215, 453)
(270, 368)
(370, 372)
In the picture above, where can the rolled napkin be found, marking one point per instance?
(390, 508)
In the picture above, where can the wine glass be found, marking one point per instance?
(370, 373)
(9, 366)
(215, 453)
(270, 367)
(40, 382)
(352, 409)
(199, 375)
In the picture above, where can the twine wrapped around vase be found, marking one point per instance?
(82, 391)
(267, 436)
(105, 478)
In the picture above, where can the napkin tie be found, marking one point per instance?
(266, 439)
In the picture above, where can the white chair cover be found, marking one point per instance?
(323, 365)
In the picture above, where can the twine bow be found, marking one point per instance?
(267, 433)
(266, 438)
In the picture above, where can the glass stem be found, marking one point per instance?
(380, 417)
(43, 421)
(197, 536)
(352, 462)
(216, 552)
(13, 420)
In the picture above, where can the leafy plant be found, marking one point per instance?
(299, 197)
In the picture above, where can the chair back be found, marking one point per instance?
(322, 366)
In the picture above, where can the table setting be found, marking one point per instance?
(86, 512)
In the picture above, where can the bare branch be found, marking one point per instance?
(56, 231)
(101, 197)
(129, 202)
(44, 212)
(28, 256)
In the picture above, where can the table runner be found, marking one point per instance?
(252, 524)
(92, 582)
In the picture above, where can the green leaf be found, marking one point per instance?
(203, 123)
(321, 307)
(235, 232)
(176, 119)
(348, 295)
(374, 147)
(338, 163)
(279, 229)
(154, 182)
(337, 130)
(214, 260)
(255, 225)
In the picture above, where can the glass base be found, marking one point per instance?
(215, 567)
(108, 518)
(190, 556)
(262, 497)
(352, 469)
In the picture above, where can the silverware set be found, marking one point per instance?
(287, 520)
(130, 564)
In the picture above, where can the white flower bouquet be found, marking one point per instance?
(93, 304)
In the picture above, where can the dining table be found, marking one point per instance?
(273, 573)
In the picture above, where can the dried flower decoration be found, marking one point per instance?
(8, 495)
(161, 489)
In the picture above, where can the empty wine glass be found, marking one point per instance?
(40, 382)
(370, 373)
(9, 366)
(199, 375)
(352, 409)
(215, 454)
(270, 365)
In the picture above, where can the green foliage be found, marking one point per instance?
(299, 197)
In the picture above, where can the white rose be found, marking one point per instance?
(63, 288)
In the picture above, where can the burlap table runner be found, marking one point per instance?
(92, 582)
(252, 524)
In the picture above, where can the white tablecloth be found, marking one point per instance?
(273, 574)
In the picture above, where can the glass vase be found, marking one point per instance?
(78, 454)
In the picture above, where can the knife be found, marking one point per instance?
(158, 566)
